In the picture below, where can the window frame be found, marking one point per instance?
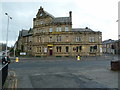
(66, 29)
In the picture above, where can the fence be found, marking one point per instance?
(3, 75)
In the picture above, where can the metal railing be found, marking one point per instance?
(3, 74)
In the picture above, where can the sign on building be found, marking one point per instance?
(22, 53)
(45, 50)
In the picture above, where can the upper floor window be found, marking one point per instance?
(91, 39)
(50, 39)
(50, 29)
(58, 38)
(58, 29)
(67, 38)
(41, 22)
(66, 28)
(39, 39)
(78, 39)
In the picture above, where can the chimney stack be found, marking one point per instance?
(70, 14)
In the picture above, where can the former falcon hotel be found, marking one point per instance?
(54, 36)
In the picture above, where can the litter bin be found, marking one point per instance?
(115, 65)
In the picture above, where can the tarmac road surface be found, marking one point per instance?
(64, 72)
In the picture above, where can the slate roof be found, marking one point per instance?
(55, 19)
(23, 32)
(49, 14)
(61, 20)
(82, 29)
(108, 41)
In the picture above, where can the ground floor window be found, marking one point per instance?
(67, 49)
(78, 48)
(58, 48)
(38, 49)
(91, 48)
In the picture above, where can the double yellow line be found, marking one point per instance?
(14, 81)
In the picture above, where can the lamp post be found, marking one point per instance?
(118, 28)
(7, 31)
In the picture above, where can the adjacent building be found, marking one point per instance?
(111, 46)
(54, 36)
(2, 47)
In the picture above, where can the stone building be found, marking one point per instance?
(54, 36)
(111, 46)
(24, 42)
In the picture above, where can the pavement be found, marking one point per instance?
(63, 72)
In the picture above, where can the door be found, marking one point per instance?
(51, 52)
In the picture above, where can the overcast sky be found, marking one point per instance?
(99, 15)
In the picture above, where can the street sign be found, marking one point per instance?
(22, 53)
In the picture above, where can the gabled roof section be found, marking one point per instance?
(42, 14)
(55, 20)
(49, 14)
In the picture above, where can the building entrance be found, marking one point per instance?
(50, 52)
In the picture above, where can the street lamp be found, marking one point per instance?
(118, 28)
(7, 31)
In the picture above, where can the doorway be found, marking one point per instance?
(50, 52)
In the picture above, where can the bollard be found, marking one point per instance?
(78, 57)
(17, 60)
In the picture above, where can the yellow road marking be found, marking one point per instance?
(14, 81)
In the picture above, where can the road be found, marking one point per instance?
(64, 72)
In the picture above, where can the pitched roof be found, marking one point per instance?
(61, 20)
(108, 41)
(23, 33)
(82, 29)
(55, 19)
(49, 14)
